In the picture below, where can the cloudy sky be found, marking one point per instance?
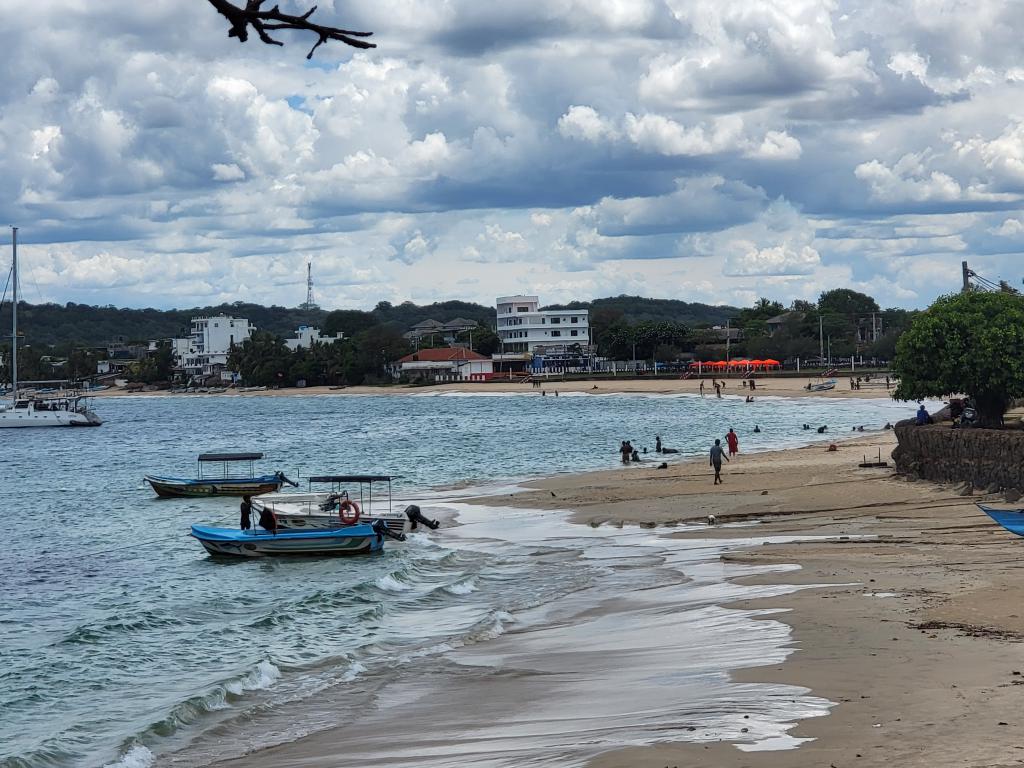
(708, 150)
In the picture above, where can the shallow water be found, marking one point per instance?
(121, 640)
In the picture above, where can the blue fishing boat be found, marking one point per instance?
(357, 539)
(227, 483)
(1011, 519)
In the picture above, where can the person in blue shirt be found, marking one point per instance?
(922, 416)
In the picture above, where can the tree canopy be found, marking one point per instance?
(968, 343)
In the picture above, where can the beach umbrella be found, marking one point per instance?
(720, 364)
(769, 361)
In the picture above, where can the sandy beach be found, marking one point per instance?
(919, 646)
(767, 386)
(915, 639)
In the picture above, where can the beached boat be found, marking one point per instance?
(358, 539)
(822, 386)
(62, 409)
(244, 483)
(1010, 519)
(349, 496)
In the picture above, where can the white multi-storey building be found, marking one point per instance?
(306, 336)
(210, 343)
(526, 330)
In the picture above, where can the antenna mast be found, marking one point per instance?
(309, 303)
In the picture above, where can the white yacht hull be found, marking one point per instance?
(25, 417)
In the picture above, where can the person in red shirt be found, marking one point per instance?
(733, 441)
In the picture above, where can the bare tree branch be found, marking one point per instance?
(261, 21)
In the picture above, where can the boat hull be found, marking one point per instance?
(24, 418)
(230, 542)
(1010, 519)
(172, 487)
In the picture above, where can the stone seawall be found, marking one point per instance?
(982, 457)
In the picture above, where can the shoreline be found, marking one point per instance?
(911, 641)
(766, 387)
(908, 637)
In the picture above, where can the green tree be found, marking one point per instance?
(347, 321)
(969, 343)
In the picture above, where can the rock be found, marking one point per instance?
(648, 525)
(764, 493)
(993, 488)
(1010, 495)
(967, 490)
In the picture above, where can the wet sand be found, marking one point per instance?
(922, 655)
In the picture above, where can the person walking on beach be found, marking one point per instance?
(717, 454)
(733, 441)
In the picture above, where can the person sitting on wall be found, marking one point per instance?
(922, 416)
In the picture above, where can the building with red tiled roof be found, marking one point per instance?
(444, 364)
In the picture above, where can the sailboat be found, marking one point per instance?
(62, 410)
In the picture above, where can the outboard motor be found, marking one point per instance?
(416, 518)
(283, 479)
(381, 529)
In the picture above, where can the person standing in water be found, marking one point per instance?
(625, 449)
(733, 441)
(717, 454)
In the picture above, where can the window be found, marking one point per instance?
(522, 309)
(556, 333)
(575, 319)
(574, 332)
(556, 320)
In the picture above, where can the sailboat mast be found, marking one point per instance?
(14, 313)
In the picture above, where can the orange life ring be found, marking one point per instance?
(345, 506)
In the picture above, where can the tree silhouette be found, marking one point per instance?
(263, 21)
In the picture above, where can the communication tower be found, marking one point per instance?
(309, 303)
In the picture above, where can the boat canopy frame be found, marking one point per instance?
(224, 459)
(365, 483)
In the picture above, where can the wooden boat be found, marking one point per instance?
(225, 484)
(1010, 519)
(358, 539)
(318, 510)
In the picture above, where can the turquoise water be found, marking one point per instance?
(121, 640)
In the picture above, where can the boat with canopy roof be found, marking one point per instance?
(362, 497)
(226, 483)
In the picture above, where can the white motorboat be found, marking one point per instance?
(326, 509)
(64, 409)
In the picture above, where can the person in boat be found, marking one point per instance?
(716, 456)
(246, 510)
(733, 441)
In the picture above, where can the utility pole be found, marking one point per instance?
(727, 341)
(821, 338)
(966, 276)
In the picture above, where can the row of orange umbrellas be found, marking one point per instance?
(769, 363)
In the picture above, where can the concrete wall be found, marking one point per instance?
(981, 456)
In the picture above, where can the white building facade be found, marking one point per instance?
(523, 327)
(306, 336)
(206, 350)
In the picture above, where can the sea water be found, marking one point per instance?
(121, 642)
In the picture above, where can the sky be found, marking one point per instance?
(706, 150)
